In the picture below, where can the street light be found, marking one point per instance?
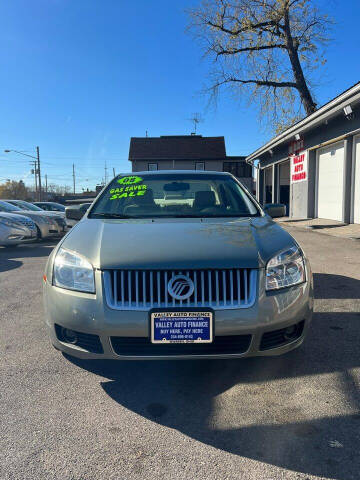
(36, 164)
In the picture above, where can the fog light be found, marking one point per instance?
(69, 335)
(290, 332)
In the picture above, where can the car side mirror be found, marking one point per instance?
(74, 213)
(275, 210)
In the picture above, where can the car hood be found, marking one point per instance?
(178, 244)
(53, 214)
(30, 214)
(14, 216)
(47, 213)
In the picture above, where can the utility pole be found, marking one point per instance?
(46, 185)
(39, 171)
(36, 170)
(35, 177)
(105, 177)
(114, 172)
(74, 177)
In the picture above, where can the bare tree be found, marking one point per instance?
(265, 50)
(59, 189)
(14, 190)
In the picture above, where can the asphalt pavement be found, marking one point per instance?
(290, 417)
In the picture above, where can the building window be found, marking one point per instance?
(238, 169)
(152, 166)
(200, 166)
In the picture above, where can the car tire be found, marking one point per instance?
(39, 236)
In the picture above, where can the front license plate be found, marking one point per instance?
(181, 327)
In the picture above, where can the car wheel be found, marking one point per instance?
(39, 236)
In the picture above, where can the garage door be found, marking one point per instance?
(331, 182)
(357, 182)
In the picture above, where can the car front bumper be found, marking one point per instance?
(16, 236)
(90, 315)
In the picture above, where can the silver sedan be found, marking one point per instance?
(177, 264)
(46, 227)
(58, 217)
(16, 229)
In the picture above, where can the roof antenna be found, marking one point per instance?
(196, 119)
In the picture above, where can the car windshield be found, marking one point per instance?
(57, 206)
(174, 195)
(8, 207)
(27, 206)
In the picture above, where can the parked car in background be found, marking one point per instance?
(50, 206)
(205, 273)
(16, 229)
(74, 213)
(59, 217)
(46, 226)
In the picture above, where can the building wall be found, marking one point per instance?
(335, 127)
(142, 165)
(303, 194)
(210, 165)
(299, 200)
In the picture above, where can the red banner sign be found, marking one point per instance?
(299, 167)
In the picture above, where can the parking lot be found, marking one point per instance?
(293, 417)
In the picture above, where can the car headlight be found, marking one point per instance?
(287, 268)
(73, 272)
(43, 219)
(10, 223)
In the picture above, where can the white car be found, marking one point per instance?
(16, 229)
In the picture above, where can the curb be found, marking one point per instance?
(308, 228)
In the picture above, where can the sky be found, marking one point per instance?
(80, 77)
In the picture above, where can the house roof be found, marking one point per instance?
(350, 96)
(177, 147)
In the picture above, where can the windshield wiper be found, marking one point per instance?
(109, 215)
(233, 215)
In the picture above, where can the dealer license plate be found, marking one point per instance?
(181, 327)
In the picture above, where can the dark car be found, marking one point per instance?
(50, 206)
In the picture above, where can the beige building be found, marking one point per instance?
(187, 152)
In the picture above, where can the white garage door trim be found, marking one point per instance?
(329, 186)
(356, 181)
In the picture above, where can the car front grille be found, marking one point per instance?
(60, 221)
(145, 289)
(142, 347)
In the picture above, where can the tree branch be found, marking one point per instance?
(260, 83)
(248, 49)
(248, 28)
